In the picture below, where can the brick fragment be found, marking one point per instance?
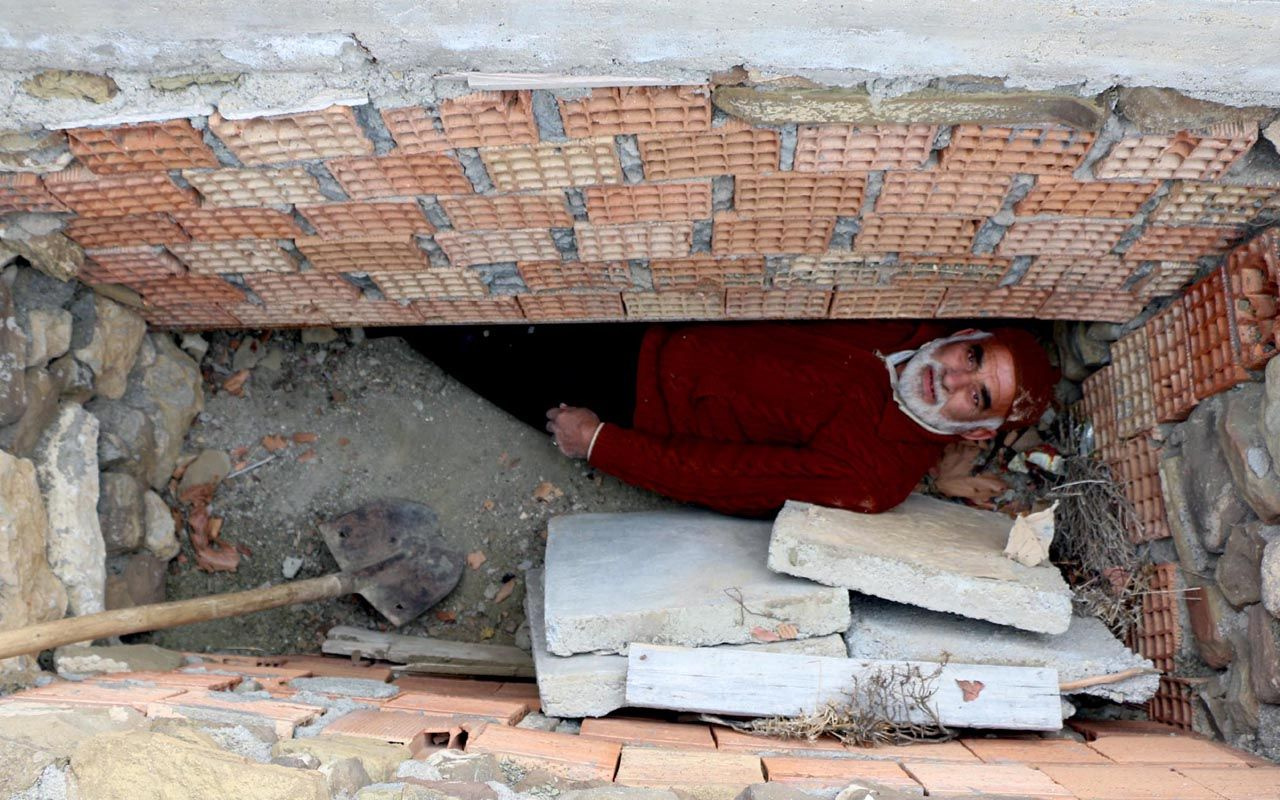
(737, 235)
(542, 276)
(1162, 243)
(837, 773)
(466, 249)
(414, 130)
(886, 303)
(658, 202)
(489, 119)
(735, 148)
(356, 220)
(574, 757)
(1107, 306)
(491, 309)
(143, 229)
(1035, 150)
(1065, 197)
(1253, 275)
(1182, 155)
(330, 133)
(118, 195)
(1172, 703)
(706, 272)
(674, 305)
(176, 680)
(219, 258)
(794, 195)
(745, 303)
(623, 242)
(617, 110)
(1169, 355)
(1118, 782)
(954, 194)
(255, 187)
(394, 727)
(433, 282)
(916, 234)
(853, 148)
(233, 224)
(568, 307)
(552, 165)
(650, 733)
(949, 780)
(481, 213)
(649, 766)
(1059, 238)
(282, 715)
(504, 712)
(1192, 203)
(399, 176)
(146, 147)
(25, 192)
(962, 301)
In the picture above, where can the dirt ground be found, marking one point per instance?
(388, 424)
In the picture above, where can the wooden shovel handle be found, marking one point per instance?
(34, 638)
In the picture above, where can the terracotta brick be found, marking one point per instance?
(525, 692)
(744, 303)
(147, 147)
(175, 680)
(1172, 703)
(1259, 783)
(958, 780)
(282, 715)
(830, 271)
(1097, 273)
(342, 220)
(129, 265)
(329, 133)
(1161, 243)
(954, 194)
(288, 289)
(887, 302)
(506, 712)
(399, 176)
(1178, 750)
(733, 741)
(491, 309)
(433, 282)
(1164, 278)
(648, 202)
(489, 119)
(481, 213)
(734, 147)
(706, 272)
(1099, 405)
(465, 249)
(565, 307)
(1158, 634)
(949, 752)
(144, 229)
(1127, 783)
(366, 312)
(189, 289)
(364, 254)
(255, 187)
(118, 195)
(415, 130)
(541, 276)
(279, 314)
(26, 192)
(265, 672)
(335, 667)
(1139, 474)
(650, 733)
(553, 165)
(1211, 340)
(791, 195)
(395, 727)
(838, 773)
(918, 270)
(852, 148)
(962, 301)
(1065, 197)
(219, 258)
(623, 242)
(233, 224)
(674, 305)
(916, 234)
(1033, 752)
(1093, 729)
(1131, 379)
(638, 109)
(1060, 238)
(651, 766)
(1038, 150)
(736, 235)
(1190, 203)
(1107, 306)
(1253, 276)
(202, 316)
(575, 757)
(1169, 355)
(1182, 155)
(62, 693)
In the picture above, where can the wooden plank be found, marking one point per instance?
(755, 684)
(426, 655)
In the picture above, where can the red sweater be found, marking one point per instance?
(741, 418)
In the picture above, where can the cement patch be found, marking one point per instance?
(926, 552)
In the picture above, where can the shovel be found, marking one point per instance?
(391, 553)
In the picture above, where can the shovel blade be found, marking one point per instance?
(395, 552)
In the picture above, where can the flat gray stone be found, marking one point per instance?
(893, 631)
(926, 552)
(591, 685)
(688, 578)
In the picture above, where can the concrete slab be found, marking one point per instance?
(926, 552)
(885, 630)
(594, 685)
(688, 578)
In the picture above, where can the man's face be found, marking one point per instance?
(963, 384)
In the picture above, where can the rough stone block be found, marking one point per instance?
(78, 659)
(132, 580)
(1207, 489)
(926, 552)
(682, 578)
(379, 759)
(1244, 446)
(889, 631)
(120, 512)
(1208, 612)
(1238, 573)
(1264, 654)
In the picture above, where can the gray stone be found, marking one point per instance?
(591, 685)
(1229, 695)
(1271, 577)
(1238, 571)
(120, 512)
(346, 687)
(1271, 409)
(247, 355)
(684, 578)
(165, 385)
(113, 347)
(176, 83)
(1211, 619)
(195, 345)
(345, 777)
(290, 567)
(273, 361)
(455, 766)
(83, 659)
(253, 742)
(33, 737)
(127, 441)
(927, 552)
(49, 251)
(1244, 446)
(74, 380)
(34, 151)
(538, 722)
(318, 335)
(1182, 526)
(1158, 110)
(893, 631)
(33, 289)
(136, 579)
(1264, 654)
(29, 591)
(159, 529)
(21, 437)
(48, 332)
(1212, 501)
(68, 84)
(67, 467)
(208, 469)
(13, 361)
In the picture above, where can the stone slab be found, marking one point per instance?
(926, 552)
(884, 630)
(686, 578)
(591, 685)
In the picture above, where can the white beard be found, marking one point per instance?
(910, 392)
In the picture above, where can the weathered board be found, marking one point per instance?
(423, 654)
(766, 684)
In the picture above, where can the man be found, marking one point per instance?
(741, 418)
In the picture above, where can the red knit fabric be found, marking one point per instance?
(741, 418)
(1033, 375)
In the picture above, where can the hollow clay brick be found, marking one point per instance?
(1120, 782)
(793, 195)
(1105, 306)
(734, 147)
(457, 687)
(23, 191)
(956, 194)
(743, 303)
(573, 757)
(341, 220)
(963, 301)
(178, 680)
(62, 693)
(286, 289)
(1036, 150)
(232, 224)
(249, 255)
(1175, 750)
(732, 741)
(364, 254)
(129, 265)
(657, 202)
(146, 147)
(118, 195)
(1061, 196)
(648, 766)
(329, 133)
(365, 311)
(1033, 752)
(396, 727)
(886, 303)
(706, 272)
(650, 733)
(1258, 783)
(943, 780)
(489, 119)
(1193, 203)
(1158, 634)
(566, 307)
(255, 187)
(492, 309)
(144, 229)
(1099, 405)
(1068, 237)
(737, 235)
(949, 270)
(1138, 472)
(852, 148)
(483, 213)
(1252, 271)
(415, 131)
(552, 165)
(278, 315)
(1162, 243)
(674, 305)
(505, 712)
(190, 289)
(837, 773)
(1181, 155)
(1169, 354)
(284, 716)
(1131, 383)
(1164, 278)
(493, 247)
(1211, 337)
(203, 316)
(399, 176)
(830, 271)
(643, 240)
(916, 235)
(435, 282)
(1096, 273)
(638, 109)
(543, 276)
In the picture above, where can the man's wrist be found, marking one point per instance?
(594, 436)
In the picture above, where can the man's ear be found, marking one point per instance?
(978, 434)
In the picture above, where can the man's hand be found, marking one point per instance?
(571, 429)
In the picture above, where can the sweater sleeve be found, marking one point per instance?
(752, 479)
